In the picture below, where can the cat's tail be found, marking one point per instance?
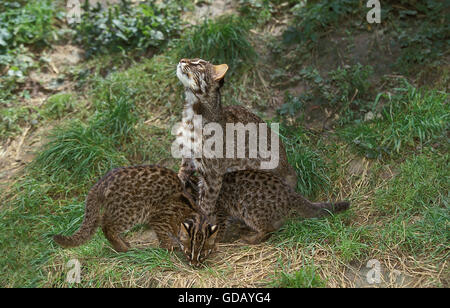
(90, 223)
(309, 209)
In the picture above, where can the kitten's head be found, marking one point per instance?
(197, 239)
(199, 75)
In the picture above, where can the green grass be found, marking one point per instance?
(410, 117)
(153, 82)
(80, 152)
(416, 201)
(349, 242)
(58, 105)
(309, 165)
(306, 277)
(224, 40)
(27, 218)
(76, 152)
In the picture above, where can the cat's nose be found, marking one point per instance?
(184, 60)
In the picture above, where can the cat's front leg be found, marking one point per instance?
(166, 240)
(209, 188)
(187, 168)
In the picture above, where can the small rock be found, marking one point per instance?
(369, 116)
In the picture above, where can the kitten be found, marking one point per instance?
(149, 195)
(202, 81)
(263, 202)
(254, 203)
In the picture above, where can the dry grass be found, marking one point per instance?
(239, 265)
(236, 266)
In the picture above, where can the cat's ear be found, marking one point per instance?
(212, 234)
(213, 229)
(219, 71)
(187, 225)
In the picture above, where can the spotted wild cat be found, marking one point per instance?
(202, 81)
(150, 195)
(262, 202)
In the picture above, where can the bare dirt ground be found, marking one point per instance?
(18, 151)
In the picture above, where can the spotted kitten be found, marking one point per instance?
(262, 202)
(150, 195)
(202, 81)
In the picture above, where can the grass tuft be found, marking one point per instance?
(223, 40)
(306, 277)
(310, 167)
(76, 152)
(81, 152)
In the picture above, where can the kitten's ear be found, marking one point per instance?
(186, 225)
(212, 233)
(213, 229)
(219, 71)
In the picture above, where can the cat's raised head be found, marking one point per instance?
(197, 239)
(200, 76)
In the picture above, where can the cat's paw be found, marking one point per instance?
(184, 178)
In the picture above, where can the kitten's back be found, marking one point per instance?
(264, 202)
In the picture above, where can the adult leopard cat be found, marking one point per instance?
(202, 81)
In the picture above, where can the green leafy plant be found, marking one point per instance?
(292, 104)
(257, 11)
(13, 118)
(16, 64)
(427, 43)
(314, 18)
(22, 25)
(126, 26)
(352, 84)
(346, 90)
(26, 24)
